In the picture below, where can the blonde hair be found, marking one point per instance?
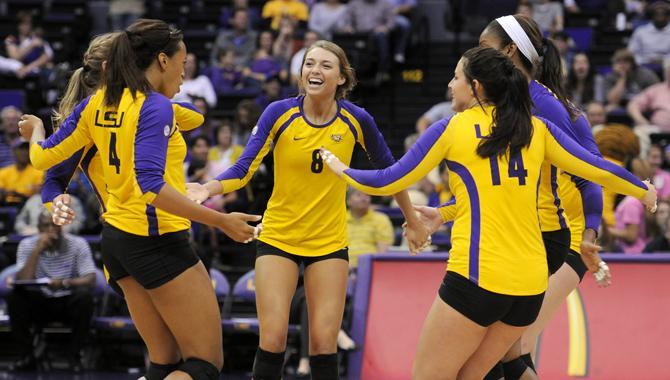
(346, 70)
(86, 78)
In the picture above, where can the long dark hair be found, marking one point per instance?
(132, 52)
(589, 82)
(506, 87)
(549, 71)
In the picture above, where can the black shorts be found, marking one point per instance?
(557, 246)
(263, 249)
(574, 259)
(151, 260)
(484, 307)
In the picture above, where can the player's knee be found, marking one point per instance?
(274, 339)
(322, 343)
(200, 369)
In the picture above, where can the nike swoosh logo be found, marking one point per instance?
(299, 138)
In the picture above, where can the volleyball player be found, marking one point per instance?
(83, 82)
(497, 270)
(145, 235)
(305, 222)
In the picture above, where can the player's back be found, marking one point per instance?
(496, 240)
(139, 146)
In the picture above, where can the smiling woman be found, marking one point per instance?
(305, 221)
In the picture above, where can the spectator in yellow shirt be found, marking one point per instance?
(275, 10)
(369, 231)
(20, 180)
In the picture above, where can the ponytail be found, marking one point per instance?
(506, 87)
(550, 74)
(133, 51)
(75, 91)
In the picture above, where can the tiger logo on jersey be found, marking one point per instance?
(336, 138)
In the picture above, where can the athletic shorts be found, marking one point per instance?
(484, 307)
(557, 246)
(151, 260)
(263, 249)
(574, 259)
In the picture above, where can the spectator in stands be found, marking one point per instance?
(124, 12)
(195, 85)
(565, 45)
(246, 117)
(596, 115)
(9, 131)
(369, 231)
(326, 17)
(548, 15)
(19, 181)
(626, 80)
(275, 10)
(584, 84)
(28, 48)
(296, 61)
(376, 18)
(525, 9)
(225, 153)
(650, 43)
(660, 177)
(284, 45)
(66, 264)
(272, 91)
(227, 13)
(661, 243)
(437, 112)
(264, 65)
(241, 40)
(226, 77)
(655, 102)
(197, 167)
(630, 218)
(403, 26)
(28, 218)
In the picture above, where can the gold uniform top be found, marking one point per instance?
(306, 213)
(141, 150)
(89, 162)
(496, 238)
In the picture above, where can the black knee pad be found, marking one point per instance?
(514, 369)
(200, 369)
(496, 373)
(160, 371)
(324, 367)
(529, 361)
(268, 365)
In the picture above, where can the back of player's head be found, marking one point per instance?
(133, 51)
(346, 70)
(506, 88)
(538, 55)
(86, 78)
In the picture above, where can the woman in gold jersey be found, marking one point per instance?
(497, 271)
(305, 221)
(145, 236)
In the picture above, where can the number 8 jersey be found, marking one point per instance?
(306, 214)
(141, 150)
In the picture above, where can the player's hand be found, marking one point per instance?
(418, 236)
(650, 198)
(29, 123)
(430, 217)
(235, 225)
(62, 213)
(333, 162)
(591, 258)
(196, 192)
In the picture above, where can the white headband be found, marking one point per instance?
(520, 38)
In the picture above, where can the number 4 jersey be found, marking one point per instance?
(141, 150)
(306, 214)
(496, 238)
